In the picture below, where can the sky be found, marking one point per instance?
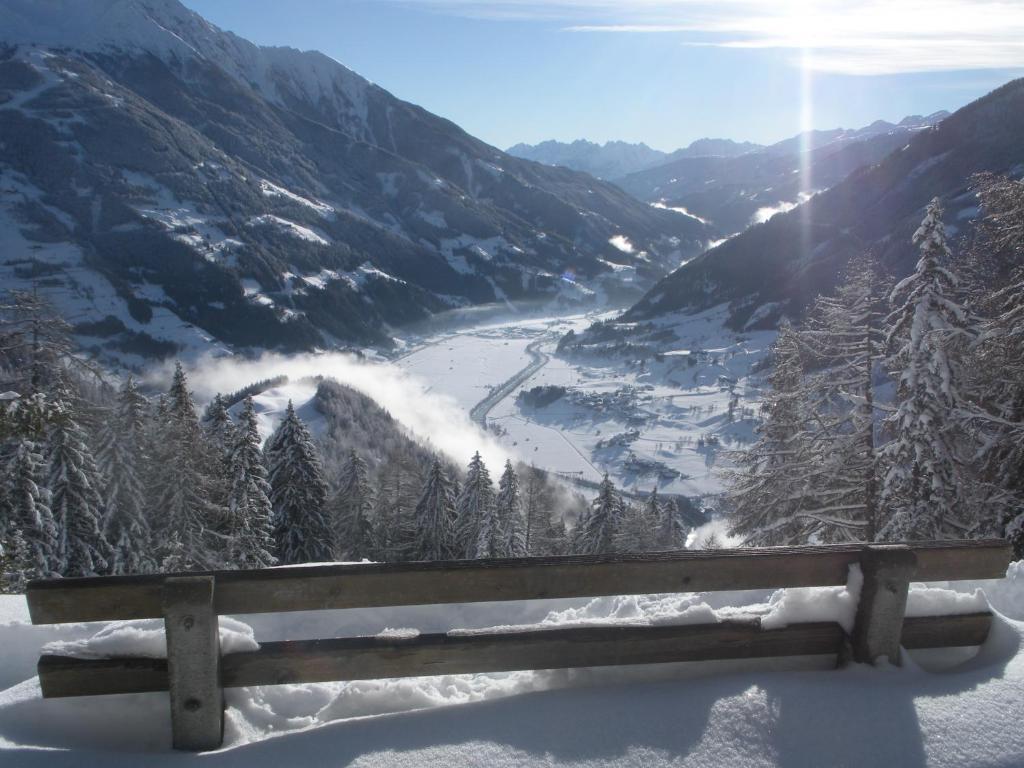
(664, 72)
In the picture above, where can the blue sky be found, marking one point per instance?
(664, 72)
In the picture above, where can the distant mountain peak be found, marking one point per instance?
(616, 158)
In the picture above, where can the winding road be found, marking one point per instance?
(507, 387)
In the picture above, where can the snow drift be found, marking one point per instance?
(939, 709)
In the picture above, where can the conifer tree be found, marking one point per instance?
(249, 511)
(638, 527)
(766, 489)
(219, 427)
(77, 506)
(671, 530)
(997, 360)
(394, 533)
(842, 337)
(15, 563)
(596, 531)
(352, 511)
(187, 487)
(537, 503)
(509, 507)
(923, 484)
(435, 518)
(120, 461)
(29, 516)
(132, 410)
(474, 509)
(298, 494)
(35, 344)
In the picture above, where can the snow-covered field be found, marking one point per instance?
(940, 709)
(621, 416)
(466, 364)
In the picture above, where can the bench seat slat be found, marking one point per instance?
(468, 581)
(365, 658)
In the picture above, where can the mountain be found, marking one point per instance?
(777, 267)
(715, 148)
(733, 192)
(602, 161)
(615, 159)
(172, 186)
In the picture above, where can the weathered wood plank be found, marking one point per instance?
(878, 626)
(946, 631)
(62, 676)
(468, 581)
(363, 658)
(193, 663)
(370, 658)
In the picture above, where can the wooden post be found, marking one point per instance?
(193, 663)
(878, 626)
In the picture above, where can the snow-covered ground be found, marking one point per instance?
(467, 363)
(941, 709)
(620, 418)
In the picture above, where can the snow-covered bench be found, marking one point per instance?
(196, 672)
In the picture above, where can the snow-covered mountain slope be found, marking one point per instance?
(735, 192)
(615, 159)
(778, 267)
(157, 171)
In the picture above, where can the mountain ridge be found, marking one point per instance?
(774, 269)
(615, 159)
(155, 165)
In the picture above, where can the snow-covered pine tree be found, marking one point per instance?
(556, 540)
(997, 361)
(765, 490)
(219, 428)
(509, 506)
(188, 485)
(396, 498)
(120, 461)
(474, 510)
(77, 506)
(435, 518)
(637, 529)
(249, 529)
(27, 507)
(490, 538)
(596, 531)
(298, 494)
(15, 563)
(537, 503)
(923, 485)
(842, 340)
(132, 410)
(35, 344)
(674, 531)
(352, 511)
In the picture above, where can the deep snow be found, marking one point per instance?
(934, 711)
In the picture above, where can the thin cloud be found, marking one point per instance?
(857, 38)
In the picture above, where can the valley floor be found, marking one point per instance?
(664, 423)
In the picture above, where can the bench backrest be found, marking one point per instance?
(195, 672)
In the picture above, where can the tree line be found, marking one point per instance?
(97, 481)
(896, 411)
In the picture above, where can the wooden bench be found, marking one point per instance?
(196, 673)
